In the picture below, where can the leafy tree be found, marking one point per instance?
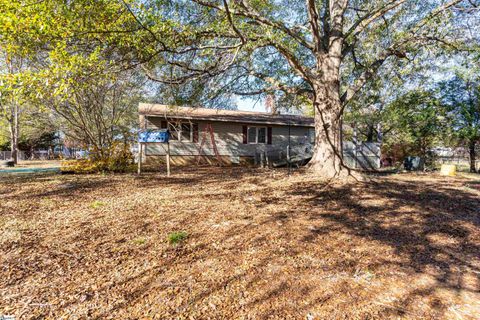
(417, 119)
(13, 87)
(324, 51)
(94, 106)
(70, 48)
(319, 51)
(462, 96)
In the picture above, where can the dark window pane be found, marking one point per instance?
(186, 131)
(173, 129)
(252, 135)
(262, 135)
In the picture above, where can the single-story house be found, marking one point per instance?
(230, 136)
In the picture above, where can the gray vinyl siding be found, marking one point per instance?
(229, 140)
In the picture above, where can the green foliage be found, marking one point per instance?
(461, 95)
(417, 119)
(177, 237)
(4, 135)
(4, 144)
(115, 158)
(97, 204)
(33, 139)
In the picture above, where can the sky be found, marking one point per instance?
(248, 104)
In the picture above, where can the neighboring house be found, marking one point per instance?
(238, 136)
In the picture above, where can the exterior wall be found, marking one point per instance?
(160, 161)
(229, 140)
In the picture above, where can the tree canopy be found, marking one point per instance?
(316, 53)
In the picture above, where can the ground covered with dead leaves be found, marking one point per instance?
(260, 244)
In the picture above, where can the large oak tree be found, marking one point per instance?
(320, 51)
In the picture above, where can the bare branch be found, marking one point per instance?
(313, 21)
(362, 23)
(304, 73)
(250, 13)
(365, 76)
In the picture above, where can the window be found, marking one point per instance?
(257, 135)
(186, 132)
(262, 135)
(252, 135)
(181, 131)
(311, 135)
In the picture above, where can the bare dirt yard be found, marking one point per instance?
(259, 244)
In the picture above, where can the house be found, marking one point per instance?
(229, 136)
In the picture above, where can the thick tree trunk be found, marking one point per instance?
(472, 157)
(327, 154)
(327, 159)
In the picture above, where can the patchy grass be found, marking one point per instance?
(261, 244)
(139, 241)
(97, 204)
(177, 237)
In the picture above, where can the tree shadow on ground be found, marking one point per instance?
(297, 246)
(432, 227)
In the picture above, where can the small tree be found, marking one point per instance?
(417, 119)
(15, 87)
(461, 94)
(93, 104)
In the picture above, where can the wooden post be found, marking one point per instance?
(355, 145)
(139, 170)
(168, 159)
(288, 149)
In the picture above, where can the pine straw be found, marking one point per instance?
(260, 245)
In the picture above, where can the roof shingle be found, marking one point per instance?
(175, 112)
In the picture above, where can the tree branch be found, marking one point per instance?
(251, 13)
(360, 25)
(313, 21)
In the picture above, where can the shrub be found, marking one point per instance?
(117, 158)
(177, 237)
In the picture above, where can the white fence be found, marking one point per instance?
(70, 153)
(364, 155)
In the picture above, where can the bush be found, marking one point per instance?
(117, 158)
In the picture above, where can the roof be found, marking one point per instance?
(194, 113)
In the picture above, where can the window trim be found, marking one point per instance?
(256, 135)
(190, 139)
(311, 136)
(179, 132)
